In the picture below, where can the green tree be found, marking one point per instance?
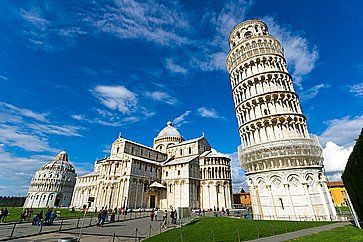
(353, 176)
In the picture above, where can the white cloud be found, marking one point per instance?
(162, 97)
(335, 157)
(28, 129)
(13, 137)
(34, 18)
(312, 92)
(343, 131)
(208, 113)
(3, 78)
(171, 66)
(25, 112)
(152, 21)
(300, 57)
(78, 116)
(357, 89)
(116, 98)
(180, 120)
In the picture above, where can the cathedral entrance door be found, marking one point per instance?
(152, 201)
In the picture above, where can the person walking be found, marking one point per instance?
(5, 214)
(156, 215)
(152, 214)
(165, 218)
(99, 217)
(175, 216)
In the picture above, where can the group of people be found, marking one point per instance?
(50, 215)
(4, 212)
(26, 213)
(102, 216)
(173, 217)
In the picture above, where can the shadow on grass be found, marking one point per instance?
(193, 222)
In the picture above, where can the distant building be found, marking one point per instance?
(241, 199)
(338, 193)
(53, 184)
(173, 173)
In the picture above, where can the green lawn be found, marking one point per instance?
(226, 229)
(14, 213)
(346, 233)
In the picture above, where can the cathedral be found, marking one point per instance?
(173, 173)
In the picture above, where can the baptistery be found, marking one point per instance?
(53, 184)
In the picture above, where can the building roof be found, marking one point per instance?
(60, 163)
(180, 160)
(169, 131)
(336, 184)
(156, 184)
(187, 141)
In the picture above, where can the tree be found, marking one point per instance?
(353, 176)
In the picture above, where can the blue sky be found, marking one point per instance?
(72, 76)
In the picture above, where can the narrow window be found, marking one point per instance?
(282, 204)
(170, 187)
(118, 149)
(178, 172)
(190, 150)
(181, 152)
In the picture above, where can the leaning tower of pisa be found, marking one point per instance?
(282, 162)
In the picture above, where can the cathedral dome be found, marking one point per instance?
(169, 131)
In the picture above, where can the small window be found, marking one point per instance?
(166, 173)
(141, 152)
(178, 172)
(118, 149)
(181, 152)
(248, 34)
(170, 188)
(190, 150)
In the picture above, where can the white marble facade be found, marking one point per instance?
(127, 178)
(53, 184)
(282, 161)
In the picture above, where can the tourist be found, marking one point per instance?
(103, 216)
(73, 210)
(48, 217)
(152, 214)
(23, 215)
(5, 213)
(165, 218)
(99, 216)
(227, 210)
(175, 216)
(156, 215)
(172, 216)
(1, 214)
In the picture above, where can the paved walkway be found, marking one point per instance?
(124, 231)
(301, 233)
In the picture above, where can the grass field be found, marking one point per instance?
(14, 213)
(228, 229)
(346, 233)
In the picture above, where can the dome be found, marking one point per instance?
(169, 131)
(60, 163)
